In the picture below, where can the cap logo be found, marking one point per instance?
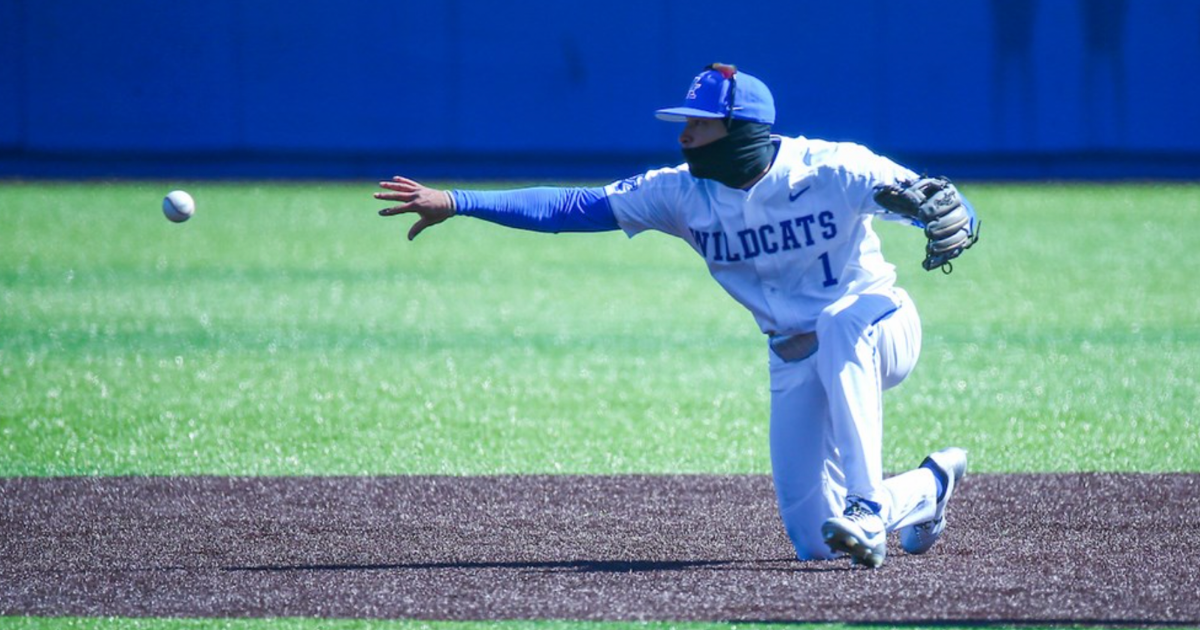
(691, 95)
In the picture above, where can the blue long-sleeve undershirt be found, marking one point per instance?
(542, 209)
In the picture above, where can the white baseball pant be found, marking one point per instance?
(827, 420)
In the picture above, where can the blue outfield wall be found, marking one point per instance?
(540, 88)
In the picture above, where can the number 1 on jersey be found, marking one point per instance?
(829, 279)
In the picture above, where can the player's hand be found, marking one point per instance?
(431, 205)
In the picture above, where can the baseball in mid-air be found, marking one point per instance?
(178, 206)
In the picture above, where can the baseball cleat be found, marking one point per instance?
(859, 533)
(952, 462)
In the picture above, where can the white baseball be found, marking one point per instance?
(178, 206)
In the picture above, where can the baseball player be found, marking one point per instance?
(785, 226)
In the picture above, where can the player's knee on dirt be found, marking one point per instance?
(807, 540)
(802, 519)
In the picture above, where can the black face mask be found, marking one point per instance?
(735, 159)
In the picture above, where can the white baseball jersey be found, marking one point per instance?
(792, 244)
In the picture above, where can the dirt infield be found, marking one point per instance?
(1080, 548)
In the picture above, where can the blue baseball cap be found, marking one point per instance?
(709, 97)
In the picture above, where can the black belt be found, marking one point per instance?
(793, 348)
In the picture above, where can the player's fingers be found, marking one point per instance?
(398, 182)
(418, 227)
(394, 210)
(398, 196)
(400, 186)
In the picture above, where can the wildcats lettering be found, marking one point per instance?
(829, 228)
(749, 239)
(767, 239)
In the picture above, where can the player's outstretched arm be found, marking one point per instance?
(431, 205)
(541, 209)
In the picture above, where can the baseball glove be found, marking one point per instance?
(933, 203)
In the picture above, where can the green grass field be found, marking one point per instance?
(287, 330)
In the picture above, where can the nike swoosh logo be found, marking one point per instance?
(796, 195)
